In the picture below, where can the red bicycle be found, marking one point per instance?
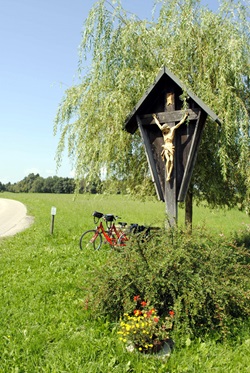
(112, 235)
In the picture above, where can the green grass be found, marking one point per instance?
(44, 324)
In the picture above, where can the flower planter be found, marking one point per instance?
(145, 331)
(160, 349)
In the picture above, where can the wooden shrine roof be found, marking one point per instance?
(146, 104)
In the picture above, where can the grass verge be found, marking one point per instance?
(44, 326)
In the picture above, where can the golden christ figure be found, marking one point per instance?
(168, 147)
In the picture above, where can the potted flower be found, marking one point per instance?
(144, 328)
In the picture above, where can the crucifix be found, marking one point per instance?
(171, 136)
(168, 150)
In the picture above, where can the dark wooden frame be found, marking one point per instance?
(186, 141)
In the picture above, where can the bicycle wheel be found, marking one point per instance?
(91, 237)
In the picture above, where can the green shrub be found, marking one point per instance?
(242, 238)
(203, 279)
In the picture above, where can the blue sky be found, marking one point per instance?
(39, 42)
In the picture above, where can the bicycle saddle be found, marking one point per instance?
(97, 214)
(109, 217)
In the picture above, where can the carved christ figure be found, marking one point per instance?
(168, 147)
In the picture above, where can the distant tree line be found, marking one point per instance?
(34, 183)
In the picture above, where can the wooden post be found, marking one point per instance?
(53, 213)
(189, 210)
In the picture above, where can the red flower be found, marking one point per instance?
(137, 312)
(156, 319)
(143, 303)
(150, 312)
(136, 298)
(171, 313)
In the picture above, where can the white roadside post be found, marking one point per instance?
(53, 213)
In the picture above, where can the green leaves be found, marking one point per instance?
(203, 279)
(209, 52)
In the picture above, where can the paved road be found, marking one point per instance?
(13, 217)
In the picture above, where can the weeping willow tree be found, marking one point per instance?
(120, 56)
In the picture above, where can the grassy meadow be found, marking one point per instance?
(44, 323)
